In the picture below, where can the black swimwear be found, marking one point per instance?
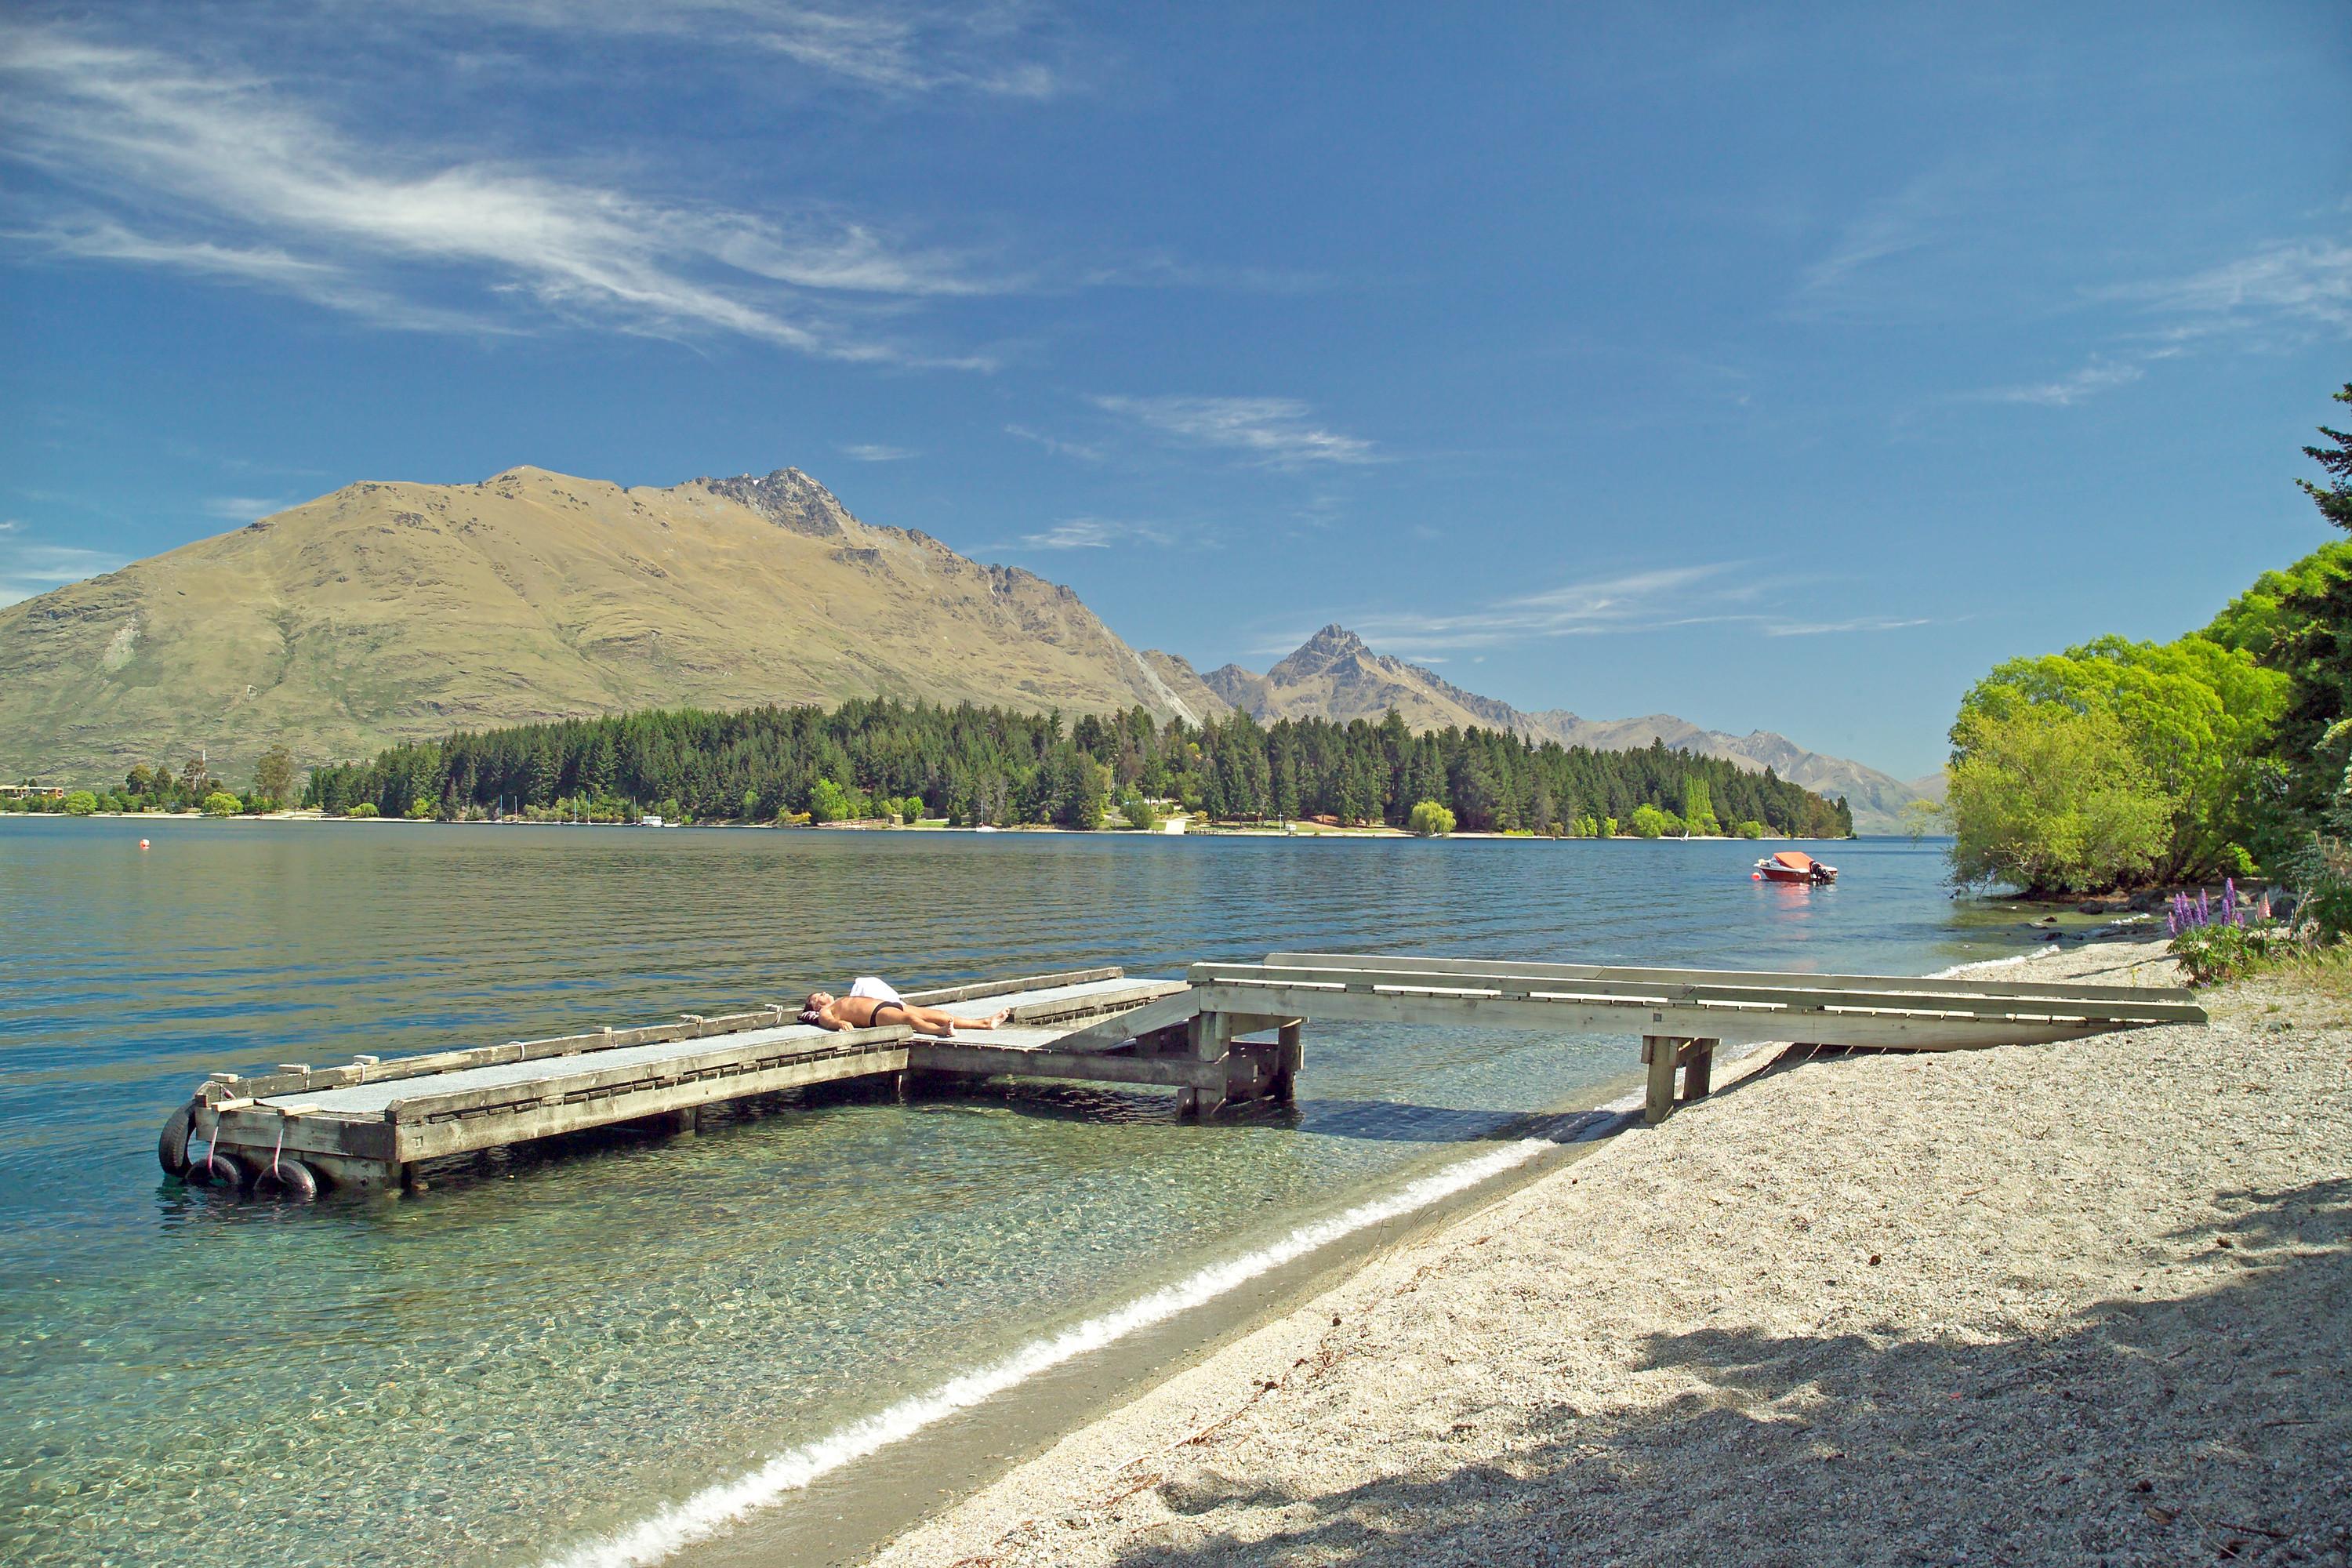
(876, 1022)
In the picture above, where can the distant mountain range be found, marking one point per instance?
(1336, 676)
(393, 612)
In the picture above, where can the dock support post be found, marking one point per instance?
(1659, 1051)
(1210, 1036)
(1289, 1056)
(410, 1182)
(1699, 1069)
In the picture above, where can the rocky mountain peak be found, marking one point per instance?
(789, 499)
(1333, 646)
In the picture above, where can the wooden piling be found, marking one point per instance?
(1698, 1066)
(1659, 1051)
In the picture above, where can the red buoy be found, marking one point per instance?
(142, 844)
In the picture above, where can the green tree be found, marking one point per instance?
(1698, 806)
(1429, 820)
(273, 775)
(2053, 799)
(2334, 497)
(79, 803)
(363, 811)
(220, 803)
(2198, 714)
(1751, 828)
(828, 802)
(1649, 822)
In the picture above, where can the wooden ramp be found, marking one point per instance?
(1682, 1014)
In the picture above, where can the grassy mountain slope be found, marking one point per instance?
(399, 611)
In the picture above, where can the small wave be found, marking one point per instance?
(708, 1511)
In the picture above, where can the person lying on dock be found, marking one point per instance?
(873, 1004)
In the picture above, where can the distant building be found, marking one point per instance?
(33, 792)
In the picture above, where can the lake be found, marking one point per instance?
(554, 1345)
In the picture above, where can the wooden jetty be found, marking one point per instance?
(1227, 1034)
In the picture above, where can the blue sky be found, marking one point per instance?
(1779, 373)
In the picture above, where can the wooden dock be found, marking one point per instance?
(1227, 1034)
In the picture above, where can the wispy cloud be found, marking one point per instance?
(873, 452)
(1868, 270)
(1723, 592)
(242, 509)
(2307, 282)
(1057, 445)
(148, 161)
(1277, 431)
(2099, 376)
(890, 49)
(1860, 624)
(28, 568)
(1088, 533)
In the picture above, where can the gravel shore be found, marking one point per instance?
(2079, 1302)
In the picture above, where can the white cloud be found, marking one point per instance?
(894, 49)
(1088, 533)
(27, 568)
(2098, 376)
(242, 509)
(172, 166)
(2304, 281)
(1861, 624)
(873, 452)
(1278, 431)
(1726, 593)
(1056, 446)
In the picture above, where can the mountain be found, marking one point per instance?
(1335, 676)
(395, 611)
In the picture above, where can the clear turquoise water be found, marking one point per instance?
(551, 1344)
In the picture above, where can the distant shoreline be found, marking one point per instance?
(1295, 830)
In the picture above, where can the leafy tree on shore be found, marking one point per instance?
(2052, 798)
(273, 775)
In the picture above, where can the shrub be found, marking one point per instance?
(1430, 820)
(1751, 828)
(2321, 873)
(419, 809)
(2212, 954)
(363, 810)
(80, 803)
(1649, 822)
(220, 803)
(1140, 814)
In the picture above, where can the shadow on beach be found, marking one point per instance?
(2206, 1418)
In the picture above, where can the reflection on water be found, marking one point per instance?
(563, 1338)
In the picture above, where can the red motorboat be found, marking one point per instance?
(1793, 866)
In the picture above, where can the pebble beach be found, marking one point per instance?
(2077, 1302)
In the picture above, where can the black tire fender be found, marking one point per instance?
(171, 1148)
(225, 1172)
(286, 1179)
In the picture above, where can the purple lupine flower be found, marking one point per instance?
(2204, 907)
(2230, 901)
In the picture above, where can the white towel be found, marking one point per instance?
(879, 989)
